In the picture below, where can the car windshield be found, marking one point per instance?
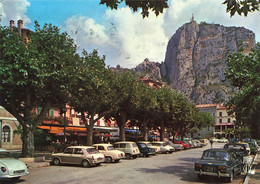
(92, 150)
(5, 154)
(215, 155)
(110, 148)
(156, 144)
(142, 145)
(149, 144)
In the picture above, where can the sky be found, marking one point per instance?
(124, 37)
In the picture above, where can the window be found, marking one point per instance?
(220, 114)
(220, 120)
(68, 151)
(6, 134)
(101, 148)
(228, 120)
(122, 145)
(116, 146)
(78, 151)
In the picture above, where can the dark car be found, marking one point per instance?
(240, 147)
(145, 150)
(223, 162)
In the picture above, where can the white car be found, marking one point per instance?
(164, 147)
(81, 155)
(130, 149)
(111, 154)
(11, 168)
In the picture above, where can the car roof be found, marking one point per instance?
(219, 149)
(1, 149)
(102, 144)
(124, 142)
(80, 147)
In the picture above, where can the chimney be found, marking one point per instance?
(20, 26)
(11, 25)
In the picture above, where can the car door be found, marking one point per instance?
(77, 156)
(66, 156)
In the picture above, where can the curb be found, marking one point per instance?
(248, 175)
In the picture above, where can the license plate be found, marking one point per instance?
(19, 172)
(209, 168)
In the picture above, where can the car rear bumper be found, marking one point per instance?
(218, 174)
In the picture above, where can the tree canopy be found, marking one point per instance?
(33, 74)
(157, 6)
(243, 73)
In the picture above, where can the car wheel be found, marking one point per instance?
(108, 159)
(170, 152)
(85, 163)
(134, 156)
(230, 179)
(116, 161)
(128, 156)
(56, 161)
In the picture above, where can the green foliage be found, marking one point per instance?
(242, 6)
(155, 6)
(243, 73)
(33, 72)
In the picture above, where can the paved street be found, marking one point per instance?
(164, 168)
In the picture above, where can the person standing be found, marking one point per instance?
(211, 143)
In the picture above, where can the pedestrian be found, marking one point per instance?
(211, 143)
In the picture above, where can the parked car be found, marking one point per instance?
(177, 147)
(145, 150)
(189, 143)
(242, 148)
(198, 143)
(186, 146)
(223, 140)
(253, 146)
(130, 149)
(11, 168)
(147, 143)
(204, 142)
(219, 162)
(164, 147)
(111, 154)
(82, 155)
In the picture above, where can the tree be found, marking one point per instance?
(241, 6)
(243, 73)
(157, 6)
(91, 91)
(33, 74)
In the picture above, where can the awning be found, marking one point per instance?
(221, 124)
(56, 129)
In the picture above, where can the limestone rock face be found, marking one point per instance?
(196, 59)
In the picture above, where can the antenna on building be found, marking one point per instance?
(192, 18)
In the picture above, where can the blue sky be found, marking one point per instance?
(124, 37)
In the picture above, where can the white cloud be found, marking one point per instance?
(14, 10)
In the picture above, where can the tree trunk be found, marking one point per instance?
(122, 127)
(145, 133)
(162, 132)
(90, 131)
(28, 142)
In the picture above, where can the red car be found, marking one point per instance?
(186, 146)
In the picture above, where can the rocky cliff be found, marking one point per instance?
(196, 59)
